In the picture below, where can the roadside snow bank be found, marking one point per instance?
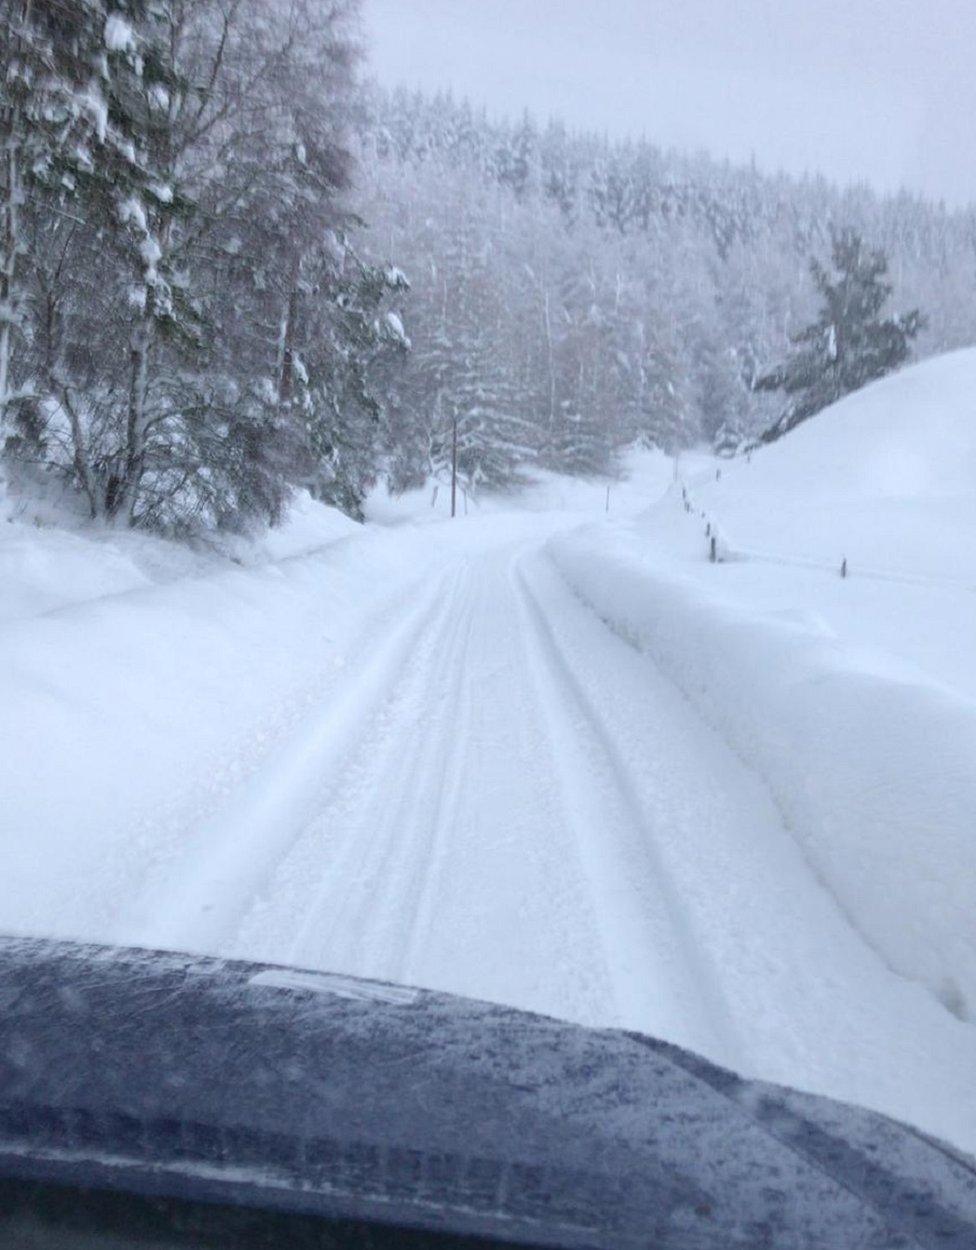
(50, 559)
(873, 768)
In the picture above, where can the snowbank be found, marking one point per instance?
(308, 527)
(50, 559)
(875, 773)
(139, 674)
(854, 699)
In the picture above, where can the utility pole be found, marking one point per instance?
(454, 466)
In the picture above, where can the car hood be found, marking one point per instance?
(228, 1081)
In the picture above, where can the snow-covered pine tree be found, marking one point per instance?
(495, 444)
(560, 179)
(349, 338)
(850, 344)
(55, 71)
(325, 330)
(99, 214)
(152, 212)
(665, 412)
(515, 158)
(586, 386)
(495, 441)
(465, 321)
(579, 443)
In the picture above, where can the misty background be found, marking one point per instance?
(881, 91)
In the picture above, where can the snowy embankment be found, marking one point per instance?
(846, 696)
(50, 559)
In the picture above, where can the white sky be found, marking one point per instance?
(882, 91)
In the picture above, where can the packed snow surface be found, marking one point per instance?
(547, 754)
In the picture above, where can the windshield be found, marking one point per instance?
(487, 499)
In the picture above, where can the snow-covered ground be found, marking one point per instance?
(46, 565)
(547, 754)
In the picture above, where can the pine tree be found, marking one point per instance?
(515, 157)
(850, 344)
(57, 62)
(495, 441)
(152, 101)
(349, 336)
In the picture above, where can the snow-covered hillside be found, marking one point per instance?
(886, 481)
(886, 478)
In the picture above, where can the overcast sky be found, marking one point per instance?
(882, 91)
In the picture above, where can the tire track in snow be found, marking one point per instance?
(237, 851)
(448, 798)
(444, 858)
(374, 892)
(656, 966)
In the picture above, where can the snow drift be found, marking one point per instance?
(885, 478)
(871, 759)
(51, 557)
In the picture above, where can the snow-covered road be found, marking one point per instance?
(467, 819)
(501, 797)
(415, 754)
